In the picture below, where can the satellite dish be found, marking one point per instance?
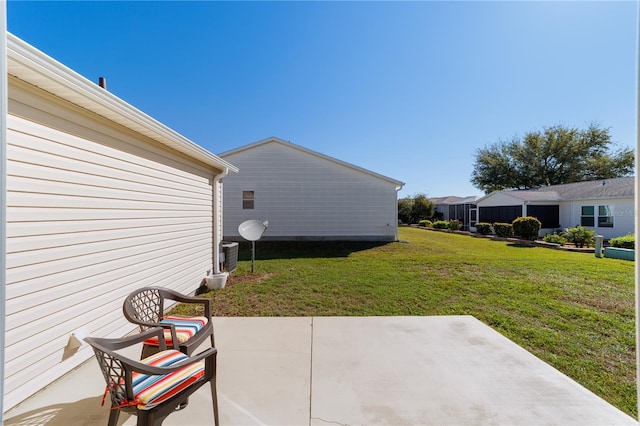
(252, 230)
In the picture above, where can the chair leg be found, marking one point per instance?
(113, 417)
(214, 398)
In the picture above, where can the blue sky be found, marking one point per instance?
(409, 90)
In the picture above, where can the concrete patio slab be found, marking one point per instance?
(353, 370)
(439, 370)
(264, 370)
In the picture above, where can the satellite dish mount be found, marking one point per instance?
(252, 230)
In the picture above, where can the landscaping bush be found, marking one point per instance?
(581, 236)
(455, 225)
(627, 241)
(426, 223)
(441, 224)
(483, 228)
(527, 227)
(555, 239)
(504, 230)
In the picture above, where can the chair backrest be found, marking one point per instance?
(114, 373)
(145, 305)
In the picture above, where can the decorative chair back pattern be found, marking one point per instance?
(147, 305)
(114, 373)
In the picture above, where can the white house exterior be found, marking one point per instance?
(605, 206)
(101, 200)
(306, 195)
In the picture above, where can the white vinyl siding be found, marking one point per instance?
(305, 196)
(94, 212)
(622, 214)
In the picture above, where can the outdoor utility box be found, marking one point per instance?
(230, 250)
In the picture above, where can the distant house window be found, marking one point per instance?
(605, 217)
(247, 200)
(587, 216)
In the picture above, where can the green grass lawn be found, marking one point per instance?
(572, 310)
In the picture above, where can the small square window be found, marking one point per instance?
(247, 200)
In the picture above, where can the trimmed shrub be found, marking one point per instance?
(441, 224)
(483, 228)
(504, 230)
(527, 227)
(581, 236)
(555, 239)
(627, 241)
(426, 223)
(455, 225)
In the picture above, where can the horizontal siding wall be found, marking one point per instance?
(302, 195)
(94, 212)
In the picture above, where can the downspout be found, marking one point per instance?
(217, 223)
(395, 223)
(4, 111)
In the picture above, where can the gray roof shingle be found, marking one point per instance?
(623, 187)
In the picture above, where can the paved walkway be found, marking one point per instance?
(354, 371)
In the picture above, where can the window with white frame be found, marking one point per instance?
(587, 216)
(605, 217)
(248, 198)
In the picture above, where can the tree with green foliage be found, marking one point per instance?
(422, 208)
(404, 209)
(553, 156)
(414, 209)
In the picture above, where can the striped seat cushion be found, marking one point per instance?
(150, 391)
(186, 328)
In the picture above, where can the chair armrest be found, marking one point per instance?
(131, 317)
(109, 345)
(174, 295)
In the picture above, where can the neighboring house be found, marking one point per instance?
(306, 195)
(457, 208)
(101, 200)
(605, 206)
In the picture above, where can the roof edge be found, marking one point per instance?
(311, 152)
(27, 63)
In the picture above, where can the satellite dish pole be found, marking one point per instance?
(252, 230)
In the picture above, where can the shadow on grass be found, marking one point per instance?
(305, 249)
(520, 245)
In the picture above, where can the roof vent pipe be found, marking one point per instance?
(102, 82)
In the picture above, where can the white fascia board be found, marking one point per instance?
(33, 66)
